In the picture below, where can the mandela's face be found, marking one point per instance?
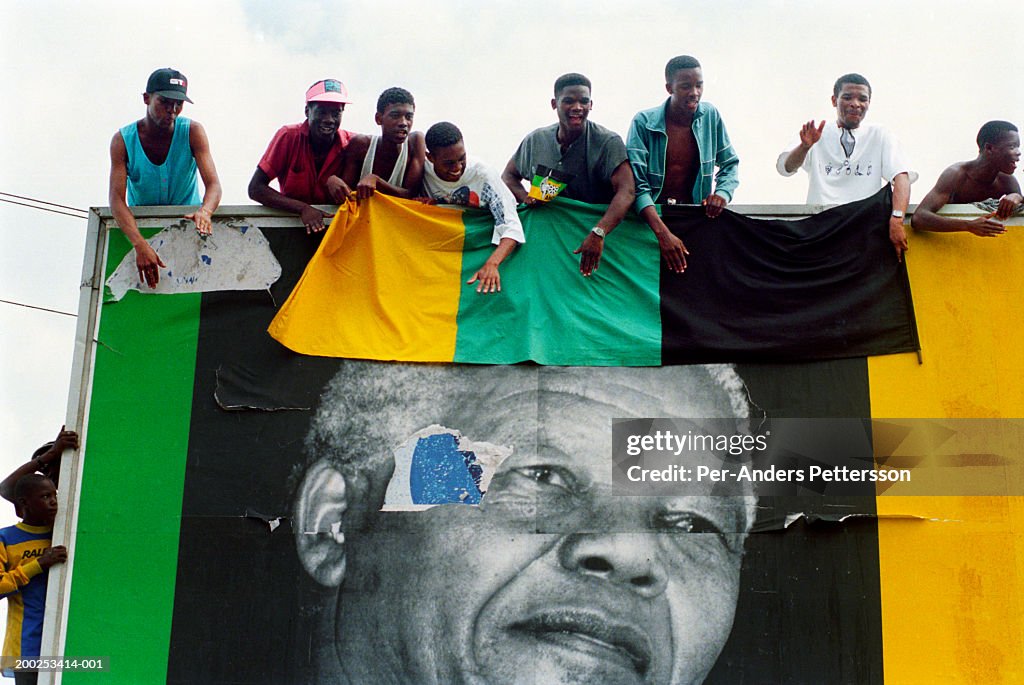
(551, 579)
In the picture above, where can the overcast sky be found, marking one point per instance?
(72, 73)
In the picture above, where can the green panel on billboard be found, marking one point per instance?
(133, 471)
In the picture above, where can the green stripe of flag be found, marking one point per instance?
(572, 320)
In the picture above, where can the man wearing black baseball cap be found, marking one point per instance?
(154, 162)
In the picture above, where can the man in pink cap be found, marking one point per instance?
(307, 159)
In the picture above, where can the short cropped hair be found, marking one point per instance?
(571, 79)
(394, 96)
(442, 134)
(854, 79)
(992, 131)
(678, 64)
(28, 484)
(370, 405)
(43, 449)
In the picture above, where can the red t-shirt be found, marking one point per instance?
(289, 158)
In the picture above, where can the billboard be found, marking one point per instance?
(244, 513)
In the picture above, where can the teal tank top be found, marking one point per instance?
(172, 183)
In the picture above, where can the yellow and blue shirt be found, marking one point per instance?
(23, 583)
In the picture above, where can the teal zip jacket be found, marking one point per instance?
(647, 143)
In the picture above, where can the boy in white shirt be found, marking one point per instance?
(451, 178)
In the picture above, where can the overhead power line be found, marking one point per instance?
(45, 209)
(43, 202)
(43, 205)
(44, 309)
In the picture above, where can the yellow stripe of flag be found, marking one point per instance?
(364, 285)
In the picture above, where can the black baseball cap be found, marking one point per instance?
(168, 83)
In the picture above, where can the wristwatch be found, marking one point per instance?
(598, 231)
(897, 214)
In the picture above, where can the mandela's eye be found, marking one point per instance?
(692, 522)
(544, 474)
(685, 522)
(543, 481)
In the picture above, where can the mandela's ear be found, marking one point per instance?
(319, 509)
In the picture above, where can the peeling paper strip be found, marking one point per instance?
(438, 465)
(775, 525)
(218, 393)
(233, 258)
(812, 519)
(272, 521)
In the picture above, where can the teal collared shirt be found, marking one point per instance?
(647, 145)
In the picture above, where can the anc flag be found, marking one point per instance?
(389, 283)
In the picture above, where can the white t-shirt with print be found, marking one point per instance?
(838, 179)
(479, 186)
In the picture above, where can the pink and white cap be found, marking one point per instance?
(328, 90)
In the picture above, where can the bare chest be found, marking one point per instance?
(682, 163)
(971, 190)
